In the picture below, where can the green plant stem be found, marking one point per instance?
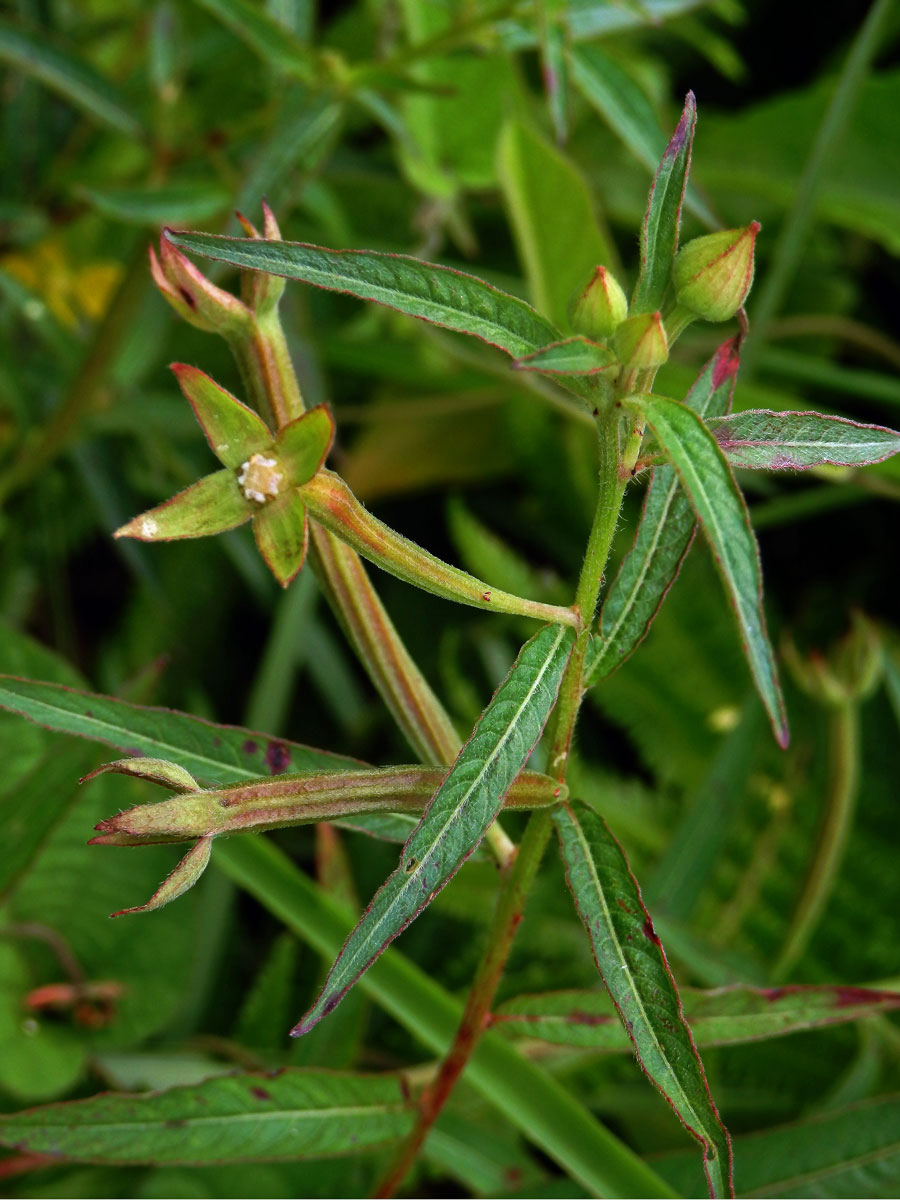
(536, 1103)
(64, 422)
(519, 877)
(792, 239)
(506, 919)
(838, 819)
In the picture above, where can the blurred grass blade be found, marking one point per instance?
(627, 111)
(199, 200)
(436, 294)
(461, 811)
(553, 217)
(68, 76)
(663, 537)
(853, 1151)
(240, 1118)
(662, 220)
(633, 965)
(267, 38)
(721, 1017)
(717, 501)
(773, 441)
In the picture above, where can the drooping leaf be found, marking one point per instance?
(68, 76)
(432, 293)
(663, 536)
(553, 217)
(275, 44)
(773, 441)
(849, 1151)
(722, 514)
(662, 220)
(459, 814)
(633, 966)
(572, 356)
(239, 1118)
(722, 1017)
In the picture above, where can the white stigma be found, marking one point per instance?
(258, 479)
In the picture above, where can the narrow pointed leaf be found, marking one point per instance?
(262, 804)
(194, 201)
(211, 505)
(281, 529)
(634, 968)
(775, 441)
(70, 77)
(178, 881)
(233, 430)
(663, 537)
(293, 1114)
(717, 501)
(461, 811)
(303, 445)
(662, 220)
(572, 356)
(722, 1017)
(432, 293)
(852, 1151)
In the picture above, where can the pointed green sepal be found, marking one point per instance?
(177, 882)
(282, 532)
(303, 445)
(233, 430)
(211, 505)
(157, 770)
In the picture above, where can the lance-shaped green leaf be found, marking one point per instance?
(293, 1114)
(461, 811)
(572, 356)
(634, 968)
(333, 505)
(70, 77)
(289, 800)
(721, 1017)
(432, 293)
(662, 220)
(722, 514)
(851, 1151)
(663, 537)
(214, 754)
(776, 441)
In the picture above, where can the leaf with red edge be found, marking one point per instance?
(663, 537)
(281, 529)
(634, 968)
(303, 445)
(659, 232)
(762, 440)
(211, 505)
(233, 430)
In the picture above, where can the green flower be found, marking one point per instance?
(262, 475)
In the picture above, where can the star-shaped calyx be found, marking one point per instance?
(260, 480)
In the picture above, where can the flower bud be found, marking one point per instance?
(191, 294)
(712, 275)
(640, 342)
(601, 307)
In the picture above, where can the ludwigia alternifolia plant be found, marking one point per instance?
(272, 453)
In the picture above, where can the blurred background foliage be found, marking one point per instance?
(516, 140)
